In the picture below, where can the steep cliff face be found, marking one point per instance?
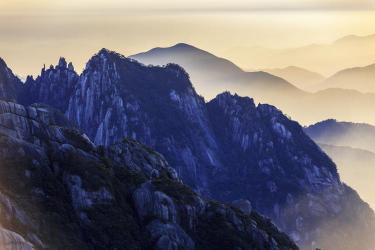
(59, 191)
(53, 87)
(271, 162)
(229, 149)
(10, 85)
(117, 97)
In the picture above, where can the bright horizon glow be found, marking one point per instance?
(37, 32)
(192, 4)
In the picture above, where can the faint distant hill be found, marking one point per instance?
(211, 75)
(347, 134)
(347, 52)
(300, 77)
(359, 78)
(356, 168)
(352, 147)
(209, 72)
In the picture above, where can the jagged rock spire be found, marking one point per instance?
(62, 62)
(10, 85)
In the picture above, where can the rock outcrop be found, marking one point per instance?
(10, 85)
(117, 97)
(53, 87)
(285, 175)
(60, 191)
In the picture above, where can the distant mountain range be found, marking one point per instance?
(356, 168)
(346, 134)
(302, 78)
(358, 78)
(211, 75)
(347, 52)
(352, 147)
(228, 149)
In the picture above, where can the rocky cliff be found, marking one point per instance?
(286, 176)
(117, 97)
(10, 85)
(228, 149)
(54, 86)
(60, 191)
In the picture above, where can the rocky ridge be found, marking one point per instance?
(228, 149)
(60, 191)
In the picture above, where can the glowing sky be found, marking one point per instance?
(34, 32)
(192, 4)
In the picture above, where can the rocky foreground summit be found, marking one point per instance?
(60, 191)
(228, 149)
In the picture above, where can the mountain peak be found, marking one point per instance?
(105, 51)
(9, 83)
(184, 46)
(104, 57)
(62, 63)
(227, 99)
(2, 63)
(229, 95)
(110, 54)
(352, 37)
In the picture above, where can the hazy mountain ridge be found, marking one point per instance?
(348, 134)
(116, 97)
(356, 168)
(209, 72)
(302, 78)
(302, 106)
(352, 147)
(358, 78)
(347, 52)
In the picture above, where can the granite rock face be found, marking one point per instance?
(285, 175)
(10, 85)
(160, 109)
(53, 87)
(227, 149)
(60, 191)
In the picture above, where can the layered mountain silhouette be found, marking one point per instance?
(356, 168)
(211, 75)
(347, 134)
(360, 78)
(302, 78)
(352, 147)
(228, 149)
(346, 52)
